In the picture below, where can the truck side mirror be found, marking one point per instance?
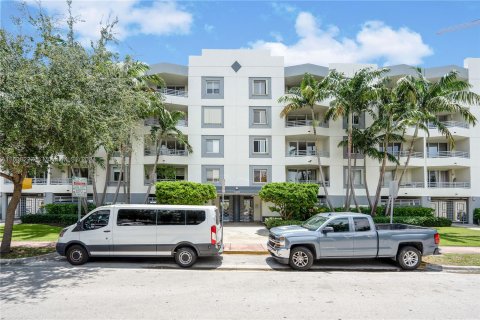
(327, 229)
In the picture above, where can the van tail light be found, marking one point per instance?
(213, 234)
(437, 238)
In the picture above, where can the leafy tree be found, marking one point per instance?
(291, 200)
(310, 92)
(184, 192)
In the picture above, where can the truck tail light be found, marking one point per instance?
(213, 234)
(436, 237)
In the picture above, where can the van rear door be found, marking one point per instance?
(219, 225)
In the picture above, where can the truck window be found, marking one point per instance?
(195, 217)
(96, 220)
(171, 217)
(361, 224)
(340, 225)
(136, 217)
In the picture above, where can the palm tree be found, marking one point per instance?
(353, 95)
(306, 96)
(428, 98)
(166, 128)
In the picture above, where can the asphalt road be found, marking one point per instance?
(113, 289)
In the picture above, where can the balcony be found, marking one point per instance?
(449, 154)
(450, 124)
(327, 183)
(463, 185)
(403, 202)
(305, 153)
(35, 181)
(173, 92)
(154, 122)
(167, 152)
(404, 154)
(64, 181)
(406, 184)
(303, 123)
(149, 181)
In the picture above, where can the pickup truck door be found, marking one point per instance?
(364, 238)
(338, 243)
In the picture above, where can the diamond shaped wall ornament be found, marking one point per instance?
(236, 66)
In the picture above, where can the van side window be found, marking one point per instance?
(361, 224)
(96, 220)
(340, 225)
(195, 217)
(171, 217)
(136, 217)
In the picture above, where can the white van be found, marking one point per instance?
(185, 232)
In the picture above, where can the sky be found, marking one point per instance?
(319, 32)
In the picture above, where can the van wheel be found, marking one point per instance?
(185, 257)
(409, 258)
(77, 255)
(301, 258)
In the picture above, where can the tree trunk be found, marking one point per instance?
(125, 178)
(129, 176)
(94, 185)
(380, 179)
(120, 178)
(154, 170)
(366, 184)
(107, 177)
(10, 218)
(410, 151)
(353, 187)
(349, 159)
(319, 161)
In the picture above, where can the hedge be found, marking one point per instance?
(65, 208)
(54, 219)
(476, 215)
(184, 192)
(277, 222)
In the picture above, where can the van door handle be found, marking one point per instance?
(106, 230)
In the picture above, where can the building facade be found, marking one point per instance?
(232, 121)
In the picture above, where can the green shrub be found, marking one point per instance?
(53, 219)
(476, 215)
(295, 201)
(184, 192)
(397, 211)
(416, 220)
(277, 222)
(64, 208)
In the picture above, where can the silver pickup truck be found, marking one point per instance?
(351, 235)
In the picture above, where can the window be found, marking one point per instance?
(355, 119)
(260, 146)
(301, 148)
(171, 217)
(357, 176)
(213, 175)
(361, 224)
(195, 217)
(260, 175)
(212, 117)
(260, 87)
(340, 225)
(213, 86)
(116, 175)
(213, 146)
(96, 220)
(136, 217)
(259, 116)
(302, 175)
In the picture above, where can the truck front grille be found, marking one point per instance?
(273, 242)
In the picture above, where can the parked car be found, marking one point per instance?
(184, 232)
(350, 235)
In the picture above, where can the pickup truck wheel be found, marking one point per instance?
(301, 258)
(409, 258)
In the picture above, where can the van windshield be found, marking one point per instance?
(314, 222)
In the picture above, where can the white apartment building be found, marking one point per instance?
(230, 98)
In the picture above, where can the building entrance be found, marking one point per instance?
(238, 208)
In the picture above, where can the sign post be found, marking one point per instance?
(393, 193)
(223, 203)
(79, 190)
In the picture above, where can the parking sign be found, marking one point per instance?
(79, 187)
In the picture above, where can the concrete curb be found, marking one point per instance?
(246, 252)
(28, 259)
(449, 268)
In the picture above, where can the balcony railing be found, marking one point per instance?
(403, 202)
(64, 181)
(304, 153)
(406, 184)
(149, 181)
(327, 183)
(449, 154)
(464, 185)
(303, 123)
(450, 124)
(173, 92)
(36, 181)
(154, 122)
(69, 199)
(404, 154)
(167, 152)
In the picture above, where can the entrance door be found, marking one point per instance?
(238, 208)
(246, 209)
